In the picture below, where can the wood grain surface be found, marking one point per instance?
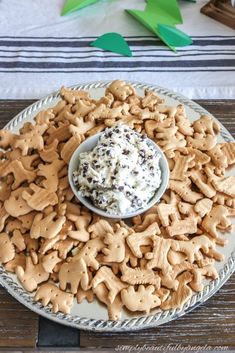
(211, 324)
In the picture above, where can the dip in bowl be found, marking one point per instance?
(118, 173)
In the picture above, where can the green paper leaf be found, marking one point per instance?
(73, 5)
(164, 11)
(158, 11)
(173, 36)
(148, 20)
(113, 42)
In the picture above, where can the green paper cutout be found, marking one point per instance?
(73, 5)
(149, 21)
(113, 42)
(174, 36)
(165, 12)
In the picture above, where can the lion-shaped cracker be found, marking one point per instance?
(60, 300)
(75, 274)
(185, 226)
(46, 227)
(112, 282)
(139, 276)
(32, 275)
(143, 299)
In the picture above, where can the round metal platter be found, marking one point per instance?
(93, 316)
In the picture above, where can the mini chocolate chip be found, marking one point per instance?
(126, 152)
(121, 188)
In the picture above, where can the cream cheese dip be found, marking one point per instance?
(121, 174)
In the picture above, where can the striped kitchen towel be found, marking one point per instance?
(41, 51)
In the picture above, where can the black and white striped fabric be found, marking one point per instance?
(34, 65)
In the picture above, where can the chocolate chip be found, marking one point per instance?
(121, 188)
(126, 152)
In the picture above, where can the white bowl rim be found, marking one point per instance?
(157, 196)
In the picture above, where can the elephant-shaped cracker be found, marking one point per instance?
(75, 274)
(60, 300)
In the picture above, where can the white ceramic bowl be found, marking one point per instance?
(88, 145)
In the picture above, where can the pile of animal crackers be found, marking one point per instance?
(61, 250)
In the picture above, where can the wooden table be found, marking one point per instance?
(212, 324)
